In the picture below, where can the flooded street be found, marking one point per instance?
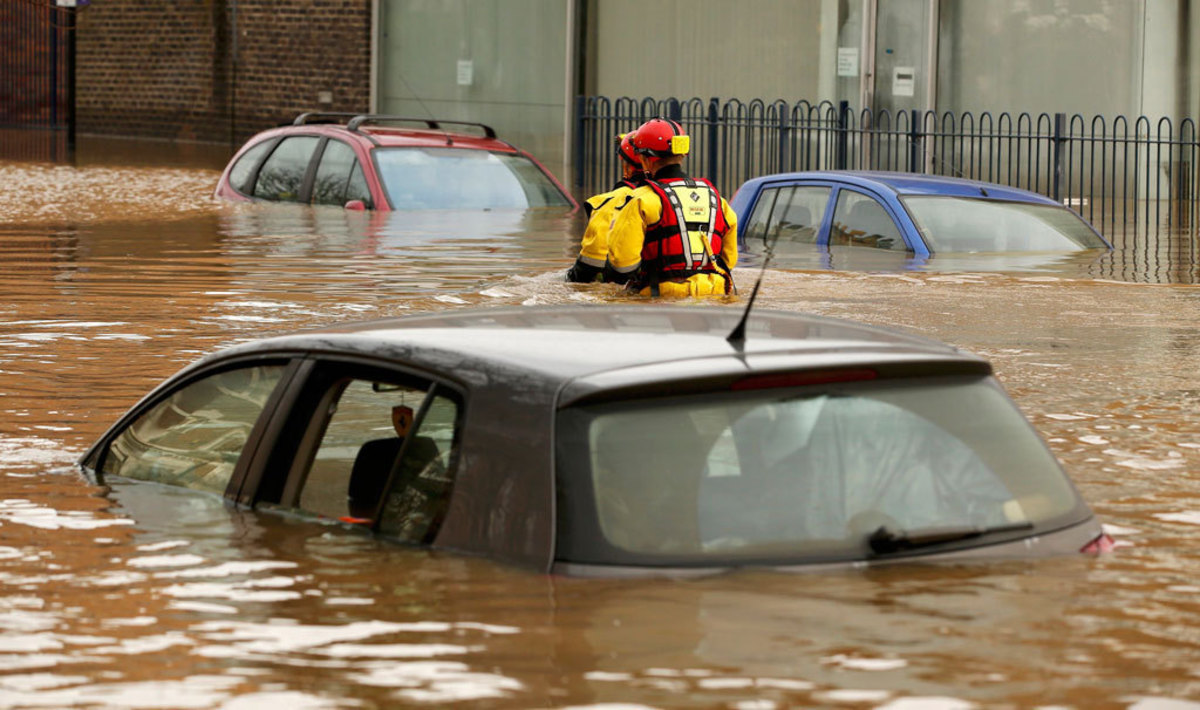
(114, 277)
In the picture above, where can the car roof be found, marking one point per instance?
(914, 184)
(412, 137)
(390, 131)
(609, 346)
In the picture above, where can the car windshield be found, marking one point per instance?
(782, 476)
(960, 224)
(460, 178)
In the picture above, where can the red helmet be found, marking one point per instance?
(661, 138)
(626, 150)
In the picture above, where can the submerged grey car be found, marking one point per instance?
(595, 440)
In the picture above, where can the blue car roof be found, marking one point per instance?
(910, 184)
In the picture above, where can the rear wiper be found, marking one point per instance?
(885, 541)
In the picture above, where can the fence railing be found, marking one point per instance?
(1124, 175)
(36, 81)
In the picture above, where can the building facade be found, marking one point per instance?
(218, 70)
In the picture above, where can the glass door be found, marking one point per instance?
(905, 55)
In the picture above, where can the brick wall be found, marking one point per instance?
(33, 43)
(155, 69)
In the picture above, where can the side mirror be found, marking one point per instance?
(357, 205)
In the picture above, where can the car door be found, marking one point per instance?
(787, 216)
(861, 219)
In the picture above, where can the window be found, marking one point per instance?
(459, 178)
(791, 213)
(961, 224)
(282, 176)
(194, 437)
(418, 501)
(243, 171)
(861, 221)
(339, 177)
(799, 473)
(384, 446)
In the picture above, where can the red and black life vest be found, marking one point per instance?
(690, 232)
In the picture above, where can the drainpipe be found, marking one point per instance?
(931, 69)
(233, 62)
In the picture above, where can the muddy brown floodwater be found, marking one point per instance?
(113, 277)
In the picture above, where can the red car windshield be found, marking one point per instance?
(459, 178)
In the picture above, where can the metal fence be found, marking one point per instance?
(36, 80)
(1124, 175)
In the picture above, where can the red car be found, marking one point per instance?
(365, 164)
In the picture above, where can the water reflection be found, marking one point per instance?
(145, 596)
(849, 258)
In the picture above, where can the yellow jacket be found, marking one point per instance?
(627, 237)
(602, 210)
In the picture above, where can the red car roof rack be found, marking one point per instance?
(434, 124)
(323, 117)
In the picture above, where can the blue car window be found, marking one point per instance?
(801, 210)
(859, 220)
(958, 224)
(792, 213)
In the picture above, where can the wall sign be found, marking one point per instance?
(904, 81)
(847, 61)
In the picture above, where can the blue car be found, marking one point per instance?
(920, 215)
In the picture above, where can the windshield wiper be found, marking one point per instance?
(885, 541)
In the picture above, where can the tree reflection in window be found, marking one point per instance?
(339, 177)
(282, 175)
(194, 437)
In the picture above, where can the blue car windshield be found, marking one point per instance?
(461, 178)
(795, 475)
(961, 224)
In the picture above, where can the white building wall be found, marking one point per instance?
(706, 48)
(499, 62)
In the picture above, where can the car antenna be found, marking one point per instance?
(449, 140)
(737, 337)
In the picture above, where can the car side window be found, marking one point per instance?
(194, 437)
(339, 176)
(420, 495)
(357, 189)
(282, 176)
(243, 170)
(860, 220)
(792, 213)
(382, 439)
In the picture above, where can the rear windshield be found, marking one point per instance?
(793, 475)
(959, 224)
(460, 178)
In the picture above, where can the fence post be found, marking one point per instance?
(714, 168)
(1060, 129)
(673, 111)
(785, 134)
(843, 136)
(915, 140)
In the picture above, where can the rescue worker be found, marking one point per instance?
(676, 236)
(601, 210)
